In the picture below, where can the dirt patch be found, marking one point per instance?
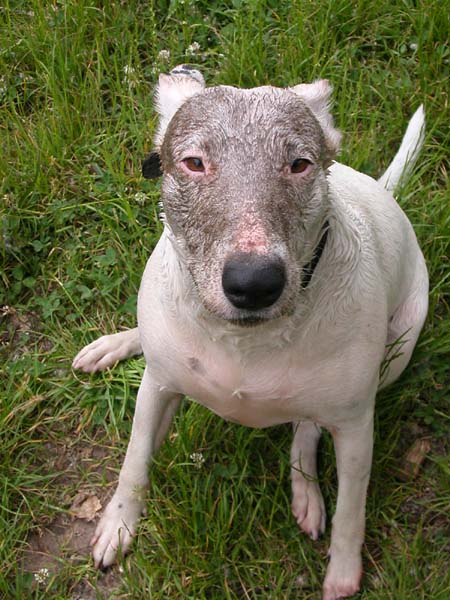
(56, 549)
(19, 332)
(66, 540)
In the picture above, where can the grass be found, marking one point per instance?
(77, 225)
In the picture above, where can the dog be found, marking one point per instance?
(275, 294)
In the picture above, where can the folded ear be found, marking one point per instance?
(151, 167)
(317, 97)
(172, 91)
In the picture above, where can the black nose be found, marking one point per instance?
(252, 281)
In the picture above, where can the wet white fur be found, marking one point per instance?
(319, 367)
(171, 92)
(407, 154)
(317, 96)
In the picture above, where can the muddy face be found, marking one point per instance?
(245, 194)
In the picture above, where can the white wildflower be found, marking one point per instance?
(130, 76)
(198, 459)
(164, 55)
(376, 581)
(193, 49)
(301, 581)
(140, 197)
(42, 575)
(3, 86)
(413, 46)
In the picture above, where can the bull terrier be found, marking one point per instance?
(275, 294)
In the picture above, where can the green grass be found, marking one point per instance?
(78, 223)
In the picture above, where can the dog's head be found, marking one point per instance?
(244, 188)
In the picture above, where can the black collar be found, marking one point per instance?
(308, 269)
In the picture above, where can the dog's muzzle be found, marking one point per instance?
(252, 282)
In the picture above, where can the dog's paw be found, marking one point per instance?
(343, 577)
(102, 353)
(115, 530)
(308, 507)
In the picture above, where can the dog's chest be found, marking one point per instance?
(258, 390)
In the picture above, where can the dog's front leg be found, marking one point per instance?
(104, 352)
(353, 446)
(153, 415)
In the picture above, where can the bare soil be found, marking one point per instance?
(59, 546)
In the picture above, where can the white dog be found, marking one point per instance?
(274, 295)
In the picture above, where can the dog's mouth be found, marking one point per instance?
(247, 319)
(250, 321)
(243, 319)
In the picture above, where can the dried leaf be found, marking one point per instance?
(414, 458)
(85, 507)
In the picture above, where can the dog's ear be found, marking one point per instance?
(151, 167)
(317, 97)
(172, 91)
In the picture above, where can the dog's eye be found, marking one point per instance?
(194, 163)
(299, 165)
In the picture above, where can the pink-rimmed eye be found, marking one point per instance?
(300, 165)
(195, 164)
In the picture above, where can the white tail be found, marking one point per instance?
(404, 160)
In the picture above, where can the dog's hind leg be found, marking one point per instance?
(307, 502)
(404, 329)
(107, 350)
(353, 445)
